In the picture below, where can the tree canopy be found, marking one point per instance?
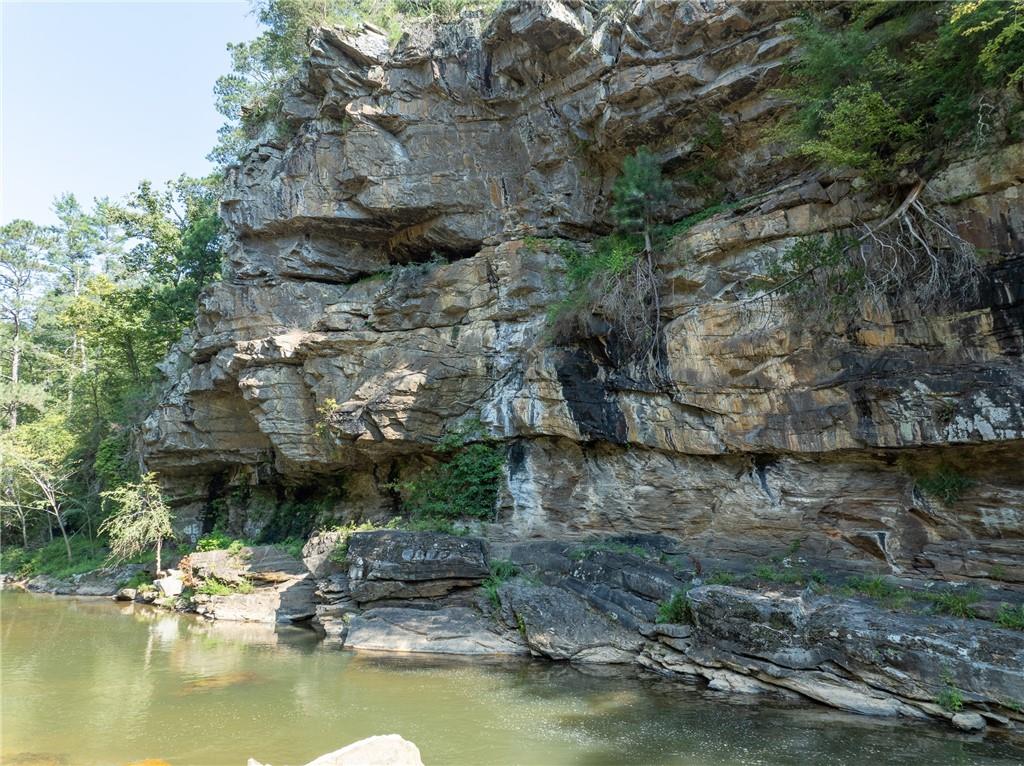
(88, 307)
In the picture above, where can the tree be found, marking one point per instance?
(176, 233)
(639, 195)
(638, 200)
(36, 458)
(22, 272)
(141, 519)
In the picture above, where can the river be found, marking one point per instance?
(85, 681)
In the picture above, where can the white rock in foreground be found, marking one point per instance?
(383, 750)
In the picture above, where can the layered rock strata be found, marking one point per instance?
(321, 356)
(390, 270)
(600, 603)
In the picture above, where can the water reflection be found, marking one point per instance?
(88, 682)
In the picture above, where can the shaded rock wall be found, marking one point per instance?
(379, 289)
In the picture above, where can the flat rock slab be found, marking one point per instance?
(99, 582)
(914, 656)
(288, 602)
(393, 564)
(456, 630)
(560, 625)
(267, 562)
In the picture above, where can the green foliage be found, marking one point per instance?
(113, 464)
(108, 290)
(615, 277)
(464, 484)
(876, 94)
(682, 226)
(880, 589)
(1010, 616)
(297, 518)
(500, 572)
(292, 546)
(722, 578)
(704, 166)
(585, 551)
(817, 276)
(640, 193)
(955, 604)
(944, 483)
(140, 519)
(675, 610)
(950, 698)
(51, 559)
(444, 526)
(217, 540)
(13, 559)
(866, 131)
(214, 587)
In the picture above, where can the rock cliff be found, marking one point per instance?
(378, 262)
(392, 262)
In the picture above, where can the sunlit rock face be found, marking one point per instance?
(383, 283)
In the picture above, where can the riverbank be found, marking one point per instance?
(880, 647)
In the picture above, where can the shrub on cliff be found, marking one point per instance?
(464, 484)
(888, 87)
(616, 277)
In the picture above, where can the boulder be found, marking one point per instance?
(268, 563)
(561, 626)
(968, 722)
(318, 552)
(170, 586)
(388, 564)
(287, 602)
(382, 750)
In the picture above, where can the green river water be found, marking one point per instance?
(85, 681)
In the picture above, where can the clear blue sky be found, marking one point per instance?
(97, 96)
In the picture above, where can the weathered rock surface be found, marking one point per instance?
(558, 625)
(266, 563)
(755, 431)
(452, 630)
(390, 564)
(850, 655)
(99, 582)
(279, 587)
(286, 602)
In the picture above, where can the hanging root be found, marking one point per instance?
(631, 304)
(917, 254)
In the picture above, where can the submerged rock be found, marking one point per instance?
(382, 750)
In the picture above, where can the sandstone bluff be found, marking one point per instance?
(389, 275)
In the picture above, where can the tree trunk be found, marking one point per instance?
(159, 545)
(15, 371)
(64, 533)
(133, 362)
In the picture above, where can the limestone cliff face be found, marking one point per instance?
(378, 261)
